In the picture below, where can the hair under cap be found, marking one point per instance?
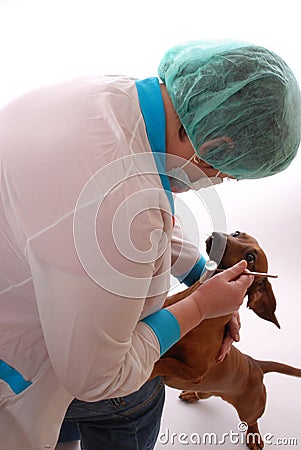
(239, 103)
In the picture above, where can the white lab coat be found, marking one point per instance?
(64, 326)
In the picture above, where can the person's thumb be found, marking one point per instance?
(236, 270)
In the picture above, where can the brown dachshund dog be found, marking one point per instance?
(191, 363)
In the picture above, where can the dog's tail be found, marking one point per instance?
(272, 366)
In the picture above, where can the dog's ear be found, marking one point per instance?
(262, 301)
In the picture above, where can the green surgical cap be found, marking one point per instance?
(241, 97)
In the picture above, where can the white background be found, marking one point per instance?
(48, 41)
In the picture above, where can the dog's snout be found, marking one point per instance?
(215, 246)
(218, 234)
(208, 244)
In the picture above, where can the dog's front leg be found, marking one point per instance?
(253, 438)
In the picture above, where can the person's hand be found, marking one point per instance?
(224, 293)
(231, 335)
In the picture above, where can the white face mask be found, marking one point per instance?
(180, 181)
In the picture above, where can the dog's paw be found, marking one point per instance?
(253, 438)
(189, 396)
(255, 445)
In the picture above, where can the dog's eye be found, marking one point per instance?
(235, 234)
(250, 257)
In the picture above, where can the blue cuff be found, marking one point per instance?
(190, 277)
(13, 378)
(166, 328)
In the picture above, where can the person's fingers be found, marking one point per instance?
(238, 276)
(225, 348)
(236, 317)
(234, 326)
(235, 271)
(224, 293)
(245, 281)
(232, 334)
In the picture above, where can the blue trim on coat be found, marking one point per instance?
(152, 108)
(192, 275)
(166, 328)
(13, 378)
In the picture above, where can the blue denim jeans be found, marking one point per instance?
(123, 423)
